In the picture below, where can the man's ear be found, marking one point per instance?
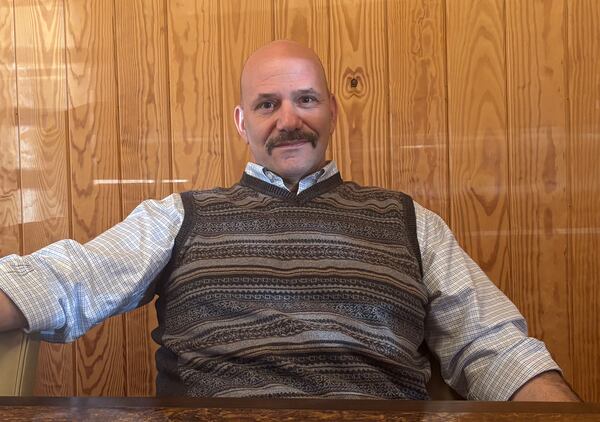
(333, 106)
(240, 124)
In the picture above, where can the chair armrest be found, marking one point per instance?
(18, 362)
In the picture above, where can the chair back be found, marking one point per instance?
(18, 361)
(437, 387)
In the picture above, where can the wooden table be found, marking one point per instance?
(183, 409)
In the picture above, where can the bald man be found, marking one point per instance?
(292, 282)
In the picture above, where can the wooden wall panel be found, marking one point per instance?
(584, 152)
(195, 94)
(10, 194)
(417, 99)
(40, 57)
(141, 28)
(485, 110)
(304, 21)
(244, 26)
(537, 135)
(95, 197)
(477, 132)
(358, 74)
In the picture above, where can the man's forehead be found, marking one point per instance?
(282, 69)
(283, 61)
(281, 49)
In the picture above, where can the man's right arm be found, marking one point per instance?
(66, 288)
(11, 317)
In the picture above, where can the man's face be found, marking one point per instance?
(286, 114)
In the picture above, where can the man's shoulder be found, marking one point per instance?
(375, 192)
(216, 194)
(214, 191)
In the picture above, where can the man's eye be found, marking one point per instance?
(307, 99)
(266, 105)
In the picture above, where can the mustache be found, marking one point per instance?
(286, 137)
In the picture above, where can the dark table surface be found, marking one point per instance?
(182, 409)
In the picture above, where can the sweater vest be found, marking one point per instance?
(272, 294)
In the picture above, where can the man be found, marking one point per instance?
(291, 283)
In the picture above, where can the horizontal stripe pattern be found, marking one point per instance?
(315, 295)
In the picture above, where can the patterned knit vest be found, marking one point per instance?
(273, 294)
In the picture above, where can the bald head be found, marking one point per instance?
(259, 64)
(286, 114)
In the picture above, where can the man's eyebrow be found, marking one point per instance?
(306, 91)
(271, 95)
(263, 96)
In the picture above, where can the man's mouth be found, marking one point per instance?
(291, 143)
(291, 139)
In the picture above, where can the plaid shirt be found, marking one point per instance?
(479, 336)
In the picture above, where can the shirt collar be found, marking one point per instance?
(262, 173)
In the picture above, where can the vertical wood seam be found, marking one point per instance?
(329, 76)
(170, 145)
(220, 82)
(118, 111)
(568, 138)
(507, 137)
(388, 131)
(389, 83)
(67, 115)
(21, 230)
(120, 176)
(449, 216)
(221, 67)
(273, 20)
(329, 56)
(327, 51)
(67, 146)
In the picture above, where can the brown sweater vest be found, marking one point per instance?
(273, 294)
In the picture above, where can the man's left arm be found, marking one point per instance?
(478, 335)
(548, 386)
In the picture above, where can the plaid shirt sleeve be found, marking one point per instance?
(476, 332)
(66, 288)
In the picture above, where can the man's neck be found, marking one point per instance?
(295, 186)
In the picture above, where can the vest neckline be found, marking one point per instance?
(306, 195)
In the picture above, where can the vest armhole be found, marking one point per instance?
(411, 225)
(187, 224)
(187, 198)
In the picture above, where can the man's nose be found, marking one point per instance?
(288, 118)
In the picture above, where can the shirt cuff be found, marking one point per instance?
(511, 370)
(33, 295)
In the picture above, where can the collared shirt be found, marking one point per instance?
(478, 335)
(266, 175)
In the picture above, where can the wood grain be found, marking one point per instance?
(244, 27)
(584, 150)
(140, 94)
(537, 136)
(417, 101)
(359, 75)
(40, 47)
(477, 132)
(195, 94)
(304, 21)
(142, 78)
(10, 194)
(253, 409)
(95, 197)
